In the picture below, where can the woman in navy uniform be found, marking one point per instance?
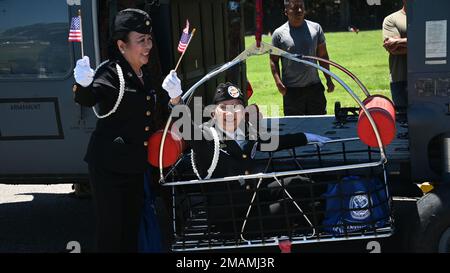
(227, 148)
(128, 111)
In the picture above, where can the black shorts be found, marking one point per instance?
(309, 100)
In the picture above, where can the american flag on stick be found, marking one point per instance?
(75, 34)
(184, 40)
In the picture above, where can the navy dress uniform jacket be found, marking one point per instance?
(234, 160)
(228, 202)
(119, 142)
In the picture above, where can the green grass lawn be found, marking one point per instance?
(360, 53)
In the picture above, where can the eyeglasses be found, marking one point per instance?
(231, 108)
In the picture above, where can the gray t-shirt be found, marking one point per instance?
(395, 26)
(302, 40)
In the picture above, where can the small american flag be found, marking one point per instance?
(184, 40)
(75, 34)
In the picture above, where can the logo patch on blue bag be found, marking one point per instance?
(360, 201)
(355, 204)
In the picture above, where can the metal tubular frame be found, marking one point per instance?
(343, 69)
(269, 49)
(193, 245)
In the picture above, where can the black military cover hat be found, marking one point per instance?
(228, 91)
(133, 20)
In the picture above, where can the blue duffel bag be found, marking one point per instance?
(349, 208)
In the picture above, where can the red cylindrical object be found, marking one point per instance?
(285, 246)
(383, 113)
(173, 148)
(249, 90)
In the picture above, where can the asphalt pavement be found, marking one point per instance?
(50, 219)
(44, 218)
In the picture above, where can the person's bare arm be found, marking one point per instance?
(392, 41)
(323, 53)
(275, 68)
(396, 45)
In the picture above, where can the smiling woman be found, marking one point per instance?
(117, 151)
(135, 48)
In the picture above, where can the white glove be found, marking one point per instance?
(320, 140)
(172, 85)
(83, 73)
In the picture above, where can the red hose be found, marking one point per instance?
(259, 22)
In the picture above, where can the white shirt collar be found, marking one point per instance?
(238, 134)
